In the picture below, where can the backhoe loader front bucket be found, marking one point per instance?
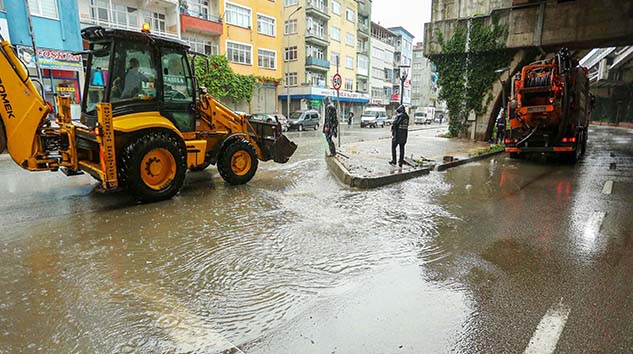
(282, 149)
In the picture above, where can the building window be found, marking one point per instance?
(335, 59)
(290, 2)
(99, 10)
(291, 79)
(125, 16)
(290, 27)
(237, 15)
(336, 7)
(267, 59)
(202, 45)
(349, 62)
(350, 15)
(239, 53)
(363, 64)
(266, 25)
(290, 53)
(44, 8)
(315, 52)
(335, 34)
(349, 85)
(198, 8)
(1, 4)
(156, 21)
(349, 39)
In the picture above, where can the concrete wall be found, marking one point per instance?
(579, 24)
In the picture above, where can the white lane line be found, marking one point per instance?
(608, 187)
(545, 338)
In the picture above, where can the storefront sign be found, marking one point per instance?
(50, 59)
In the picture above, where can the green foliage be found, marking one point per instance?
(221, 81)
(465, 79)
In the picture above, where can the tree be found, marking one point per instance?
(220, 80)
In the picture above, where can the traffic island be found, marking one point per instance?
(365, 164)
(367, 174)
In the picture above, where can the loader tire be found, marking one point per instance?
(238, 162)
(153, 166)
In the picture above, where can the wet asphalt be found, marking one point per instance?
(473, 260)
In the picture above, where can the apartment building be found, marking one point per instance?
(161, 15)
(318, 35)
(363, 48)
(382, 56)
(403, 58)
(252, 41)
(56, 31)
(424, 92)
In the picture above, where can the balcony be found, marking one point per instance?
(317, 64)
(201, 23)
(318, 9)
(108, 24)
(362, 49)
(363, 28)
(364, 8)
(317, 37)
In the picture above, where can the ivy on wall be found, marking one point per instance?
(465, 79)
(222, 82)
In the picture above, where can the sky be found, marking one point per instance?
(410, 14)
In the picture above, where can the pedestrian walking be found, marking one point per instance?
(330, 126)
(501, 128)
(399, 134)
(350, 118)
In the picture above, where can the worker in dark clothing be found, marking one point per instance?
(330, 126)
(501, 128)
(399, 134)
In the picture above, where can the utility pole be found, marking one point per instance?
(37, 61)
(338, 105)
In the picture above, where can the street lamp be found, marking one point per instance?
(286, 77)
(500, 71)
(403, 77)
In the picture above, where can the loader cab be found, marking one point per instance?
(138, 72)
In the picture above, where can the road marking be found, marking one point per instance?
(608, 187)
(548, 331)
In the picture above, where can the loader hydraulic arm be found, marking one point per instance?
(23, 112)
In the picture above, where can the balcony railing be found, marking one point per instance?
(322, 35)
(310, 61)
(363, 27)
(201, 15)
(137, 28)
(318, 6)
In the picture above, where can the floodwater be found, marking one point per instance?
(470, 260)
(215, 268)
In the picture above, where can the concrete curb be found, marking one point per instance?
(446, 166)
(346, 178)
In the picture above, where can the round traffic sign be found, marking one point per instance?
(337, 81)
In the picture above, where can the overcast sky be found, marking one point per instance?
(410, 14)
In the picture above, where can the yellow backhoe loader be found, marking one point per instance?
(144, 122)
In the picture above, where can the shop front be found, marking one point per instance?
(303, 98)
(62, 72)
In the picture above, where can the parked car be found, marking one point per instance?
(301, 120)
(373, 117)
(389, 121)
(422, 118)
(263, 117)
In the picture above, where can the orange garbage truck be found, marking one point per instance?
(549, 109)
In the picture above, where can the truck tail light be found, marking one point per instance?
(564, 140)
(572, 139)
(507, 141)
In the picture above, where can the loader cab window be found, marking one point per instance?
(98, 75)
(178, 85)
(134, 73)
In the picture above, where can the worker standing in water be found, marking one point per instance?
(399, 135)
(330, 126)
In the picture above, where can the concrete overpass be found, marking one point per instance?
(548, 24)
(545, 25)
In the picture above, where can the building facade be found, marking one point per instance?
(424, 92)
(403, 58)
(56, 33)
(317, 37)
(252, 40)
(382, 54)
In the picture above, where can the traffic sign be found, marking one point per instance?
(337, 81)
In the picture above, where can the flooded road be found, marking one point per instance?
(464, 261)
